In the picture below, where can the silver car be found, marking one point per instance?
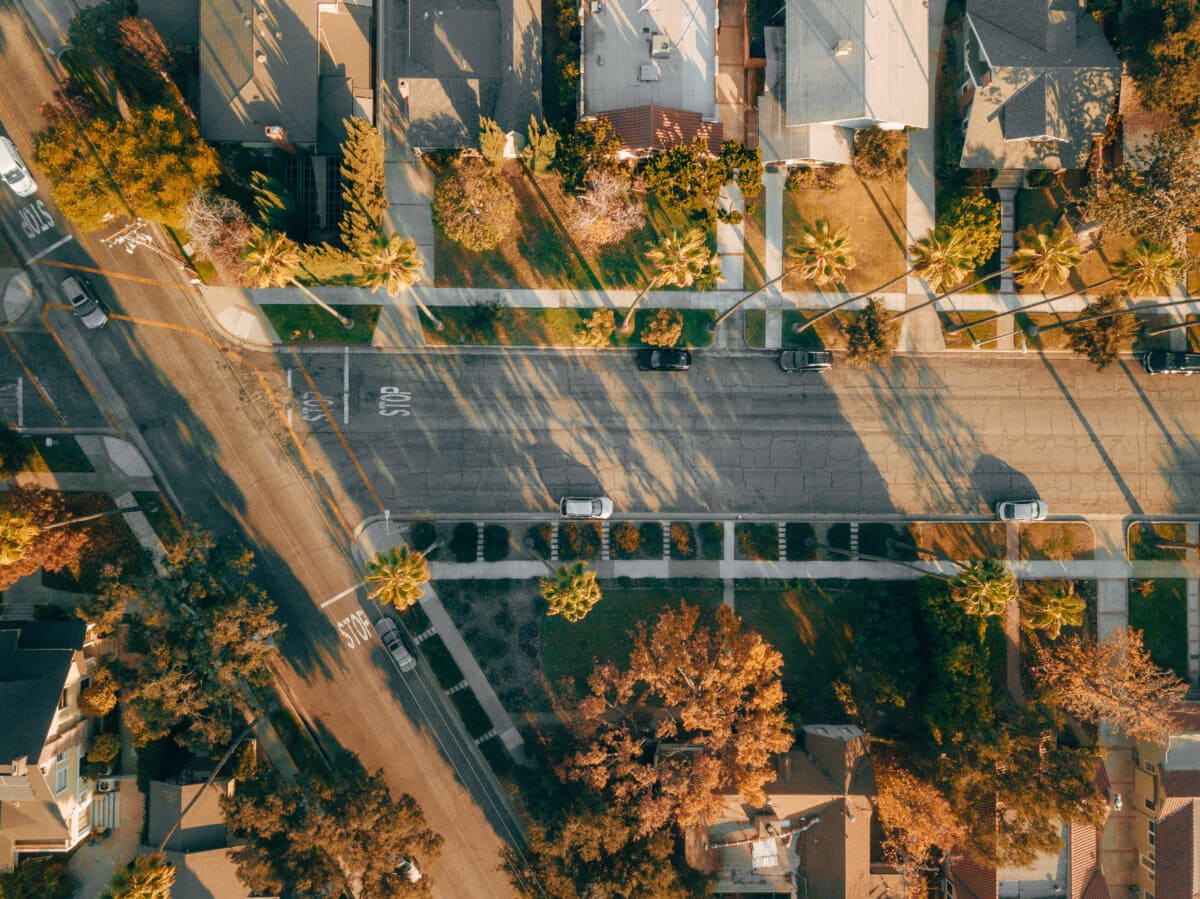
(86, 306)
(1021, 510)
(393, 642)
(585, 507)
(13, 170)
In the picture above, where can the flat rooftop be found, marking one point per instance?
(643, 52)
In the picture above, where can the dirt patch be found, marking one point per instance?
(961, 541)
(1058, 542)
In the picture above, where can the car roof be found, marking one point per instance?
(385, 626)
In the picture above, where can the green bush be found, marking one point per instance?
(415, 619)
(880, 153)
(422, 535)
(441, 663)
(537, 538)
(838, 536)
(683, 541)
(756, 541)
(798, 533)
(474, 718)
(104, 749)
(496, 754)
(578, 540)
(626, 541)
(495, 543)
(712, 541)
(873, 539)
(463, 541)
(652, 539)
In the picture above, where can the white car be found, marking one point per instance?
(86, 306)
(393, 641)
(13, 170)
(585, 507)
(1021, 510)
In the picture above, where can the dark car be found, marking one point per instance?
(664, 360)
(1161, 362)
(806, 360)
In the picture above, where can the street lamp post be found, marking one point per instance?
(137, 234)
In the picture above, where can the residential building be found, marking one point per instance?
(838, 65)
(650, 68)
(284, 73)
(44, 800)
(1139, 125)
(451, 62)
(812, 838)
(1166, 804)
(198, 846)
(1041, 81)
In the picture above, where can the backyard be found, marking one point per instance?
(1158, 608)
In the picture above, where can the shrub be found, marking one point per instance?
(497, 756)
(597, 329)
(422, 535)
(976, 217)
(578, 540)
(541, 148)
(416, 619)
(627, 538)
(652, 539)
(683, 541)
(797, 534)
(487, 317)
(712, 540)
(104, 749)
(474, 718)
(537, 538)
(664, 330)
(495, 543)
(591, 149)
(873, 539)
(474, 206)
(463, 541)
(838, 536)
(802, 177)
(488, 648)
(491, 142)
(759, 542)
(872, 337)
(441, 663)
(364, 194)
(880, 153)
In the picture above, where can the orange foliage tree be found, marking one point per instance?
(31, 509)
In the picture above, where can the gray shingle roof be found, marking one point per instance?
(35, 657)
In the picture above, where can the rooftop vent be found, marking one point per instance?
(843, 48)
(660, 45)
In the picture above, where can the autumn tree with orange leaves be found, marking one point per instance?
(917, 822)
(698, 710)
(26, 513)
(1113, 680)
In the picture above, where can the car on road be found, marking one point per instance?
(393, 641)
(79, 294)
(806, 360)
(664, 360)
(1021, 510)
(585, 507)
(1162, 362)
(14, 171)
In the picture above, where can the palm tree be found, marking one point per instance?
(1042, 255)
(678, 261)
(272, 260)
(571, 592)
(146, 877)
(822, 257)
(1145, 268)
(939, 257)
(394, 264)
(984, 588)
(1054, 606)
(396, 577)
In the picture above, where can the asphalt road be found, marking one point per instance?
(941, 435)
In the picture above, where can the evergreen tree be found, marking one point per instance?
(364, 192)
(491, 142)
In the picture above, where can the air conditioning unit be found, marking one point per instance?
(106, 785)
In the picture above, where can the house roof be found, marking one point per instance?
(1096, 887)
(202, 828)
(1179, 784)
(456, 62)
(1051, 85)
(849, 61)
(211, 874)
(35, 658)
(650, 52)
(972, 879)
(643, 128)
(345, 88)
(1174, 854)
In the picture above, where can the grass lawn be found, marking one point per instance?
(293, 324)
(540, 252)
(570, 650)
(552, 327)
(61, 454)
(1058, 339)
(965, 340)
(829, 333)
(874, 212)
(1059, 542)
(1159, 609)
(1144, 540)
(756, 328)
(961, 541)
(754, 267)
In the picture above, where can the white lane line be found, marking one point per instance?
(346, 387)
(289, 409)
(20, 401)
(50, 249)
(342, 595)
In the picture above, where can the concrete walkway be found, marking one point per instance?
(772, 197)
(731, 239)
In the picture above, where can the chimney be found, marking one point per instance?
(783, 766)
(843, 48)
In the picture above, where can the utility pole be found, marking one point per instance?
(137, 234)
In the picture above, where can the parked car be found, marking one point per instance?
(806, 360)
(79, 294)
(1162, 362)
(1021, 510)
(14, 171)
(664, 360)
(585, 507)
(393, 642)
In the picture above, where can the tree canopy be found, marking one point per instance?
(148, 876)
(397, 577)
(364, 197)
(27, 542)
(572, 592)
(314, 838)
(872, 337)
(474, 205)
(1102, 339)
